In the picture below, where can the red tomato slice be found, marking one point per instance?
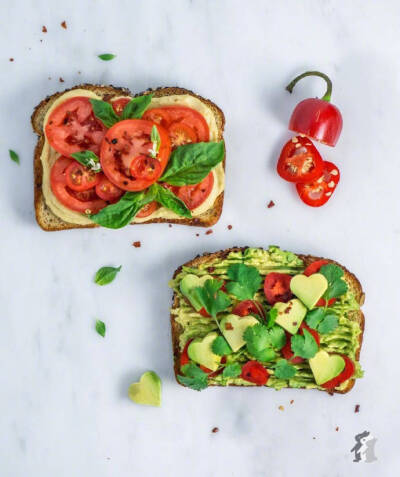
(106, 190)
(146, 168)
(319, 191)
(287, 349)
(194, 195)
(147, 210)
(73, 127)
(254, 372)
(277, 287)
(80, 178)
(85, 202)
(346, 374)
(248, 307)
(181, 134)
(314, 268)
(300, 161)
(119, 105)
(184, 357)
(125, 141)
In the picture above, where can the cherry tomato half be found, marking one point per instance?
(80, 178)
(148, 209)
(145, 167)
(346, 374)
(319, 191)
(254, 372)
(277, 287)
(248, 307)
(119, 105)
(195, 195)
(108, 191)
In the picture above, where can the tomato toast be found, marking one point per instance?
(249, 316)
(107, 157)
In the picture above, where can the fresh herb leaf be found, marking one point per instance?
(191, 163)
(220, 346)
(106, 56)
(106, 275)
(277, 337)
(272, 316)
(88, 159)
(246, 280)
(336, 285)
(156, 140)
(212, 298)
(169, 200)
(136, 107)
(101, 328)
(260, 341)
(284, 370)
(13, 156)
(105, 112)
(322, 320)
(304, 345)
(314, 317)
(328, 324)
(194, 377)
(232, 370)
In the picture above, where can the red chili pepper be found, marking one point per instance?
(314, 117)
(319, 191)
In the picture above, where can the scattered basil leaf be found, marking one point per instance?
(136, 107)
(220, 346)
(106, 275)
(88, 159)
(191, 163)
(105, 112)
(336, 285)
(169, 200)
(284, 370)
(194, 377)
(101, 328)
(106, 56)
(304, 345)
(232, 370)
(246, 280)
(14, 156)
(212, 298)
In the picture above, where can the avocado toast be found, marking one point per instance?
(249, 316)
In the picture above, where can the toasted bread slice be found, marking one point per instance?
(351, 279)
(48, 220)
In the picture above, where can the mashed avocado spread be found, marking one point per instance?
(344, 339)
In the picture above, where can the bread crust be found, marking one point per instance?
(50, 222)
(353, 281)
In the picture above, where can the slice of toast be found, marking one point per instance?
(48, 220)
(351, 279)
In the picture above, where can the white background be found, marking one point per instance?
(63, 388)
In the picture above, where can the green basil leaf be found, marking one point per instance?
(101, 328)
(14, 156)
(169, 200)
(136, 107)
(88, 159)
(105, 112)
(106, 275)
(106, 56)
(191, 163)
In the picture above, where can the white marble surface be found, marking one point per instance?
(63, 389)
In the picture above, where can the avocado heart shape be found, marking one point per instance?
(200, 352)
(325, 366)
(147, 390)
(309, 289)
(187, 286)
(233, 327)
(290, 315)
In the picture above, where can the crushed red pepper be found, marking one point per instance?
(64, 24)
(137, 244)
(44, 29)
(214, 430)
(209, 232)
(271, 203)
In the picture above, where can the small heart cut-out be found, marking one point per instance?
(309, 289)
(234, 326)
(147, 391)
(325, 366)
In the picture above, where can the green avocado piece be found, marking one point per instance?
(290, 315)
(200, 352)
(233, 327)
(309, 289)
(187, 286)
(326, 366)
(147, 390)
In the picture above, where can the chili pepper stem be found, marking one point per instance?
(328, 93)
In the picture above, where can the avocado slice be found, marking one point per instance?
(187, 286)
(147, 390)
(326, 366)
(200, 352)
(309, 289)
(290, 315)
(233, 327)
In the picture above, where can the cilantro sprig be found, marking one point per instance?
(193, 377)
(284, 369)
(212, 298)
(324, 321)
(304, 345)
(245, 281)
(220, 346)
(336, 285)
(262, 343)
(232, 370)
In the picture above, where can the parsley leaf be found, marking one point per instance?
(322, 320)
(246, 280)
(336, 285)
(101, 328)
(106, 275)
(194, 377)
(328, 324)
(220, 346)
(210, 296)
(272, 316)
(284, 370)
(304, 345)
(232, 370)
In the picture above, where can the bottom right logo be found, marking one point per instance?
(364, 448)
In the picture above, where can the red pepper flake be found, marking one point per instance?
(228, 326)
(209, 232)
(291, 401)
(169, 225)
(137, 244)
(336, 429)
(211, 269)
(64, 24)
(214, 430)
(11, 59)
(229, 227)
(271, 203)
(197, 235)
(357, 408)
(44, 29)
(61, 80)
